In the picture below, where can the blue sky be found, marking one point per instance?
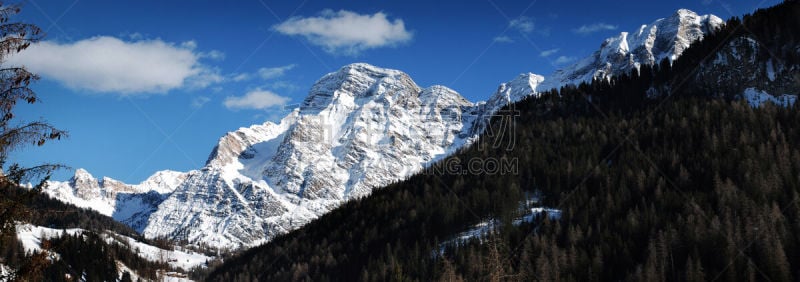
(143, 86)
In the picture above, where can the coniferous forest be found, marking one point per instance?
(659, 176)
(87, 255)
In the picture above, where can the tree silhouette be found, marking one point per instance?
(15, 84)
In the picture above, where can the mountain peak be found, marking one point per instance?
(442, 96)
(664, 38)
(527, 81)
(356, 81)
(82, 174)
(689, 17)
(522, 86)
(367, 68)
(684, 13)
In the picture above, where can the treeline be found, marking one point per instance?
(698, 190)
(42, 210)
(681, 184)
(90, 257)
(87, 255)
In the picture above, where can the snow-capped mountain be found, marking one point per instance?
(360, 128)
(665, 38)
(129, 204)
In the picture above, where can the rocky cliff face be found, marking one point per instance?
(663, 39)
(745, 64)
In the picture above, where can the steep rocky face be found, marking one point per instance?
(359, 128)
(745, 64)
(664, 38)
(522, 86)
(375, 123)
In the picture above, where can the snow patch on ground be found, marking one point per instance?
(484, 228)
(6, 273)
(124, 268)
(756, 98)
(183, 259)
(770, 71)
(31, 237)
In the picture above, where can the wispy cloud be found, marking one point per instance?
(270, 73)
(106, 64)
(564, 60)
(523, 24)
(548, 53)
(213, 54)
(595, 27)
(503, 39)
(257, 99)
(346, 32)
(199, 102)
(241, 77)
(281, 84)
(269, 77)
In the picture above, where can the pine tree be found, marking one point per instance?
(449, 273)
(126, 277)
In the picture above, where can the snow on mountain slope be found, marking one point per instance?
(484, 228)
(520, 87)
(664, 38)
(743, 68)
(31, 237)
(360, 128)
(126, 203)
(756, 98)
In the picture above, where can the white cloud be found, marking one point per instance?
(563, 60)
(199, 102)
(205, 78)
(241, 77)
(134, 36)
(346, 32)
(109, 65)
(523, 24)
(503, 39)
(548, 53)
(263, 73)
(595, 27)
(256, 100)
(191, 44)
(270, 73)
(213, 54)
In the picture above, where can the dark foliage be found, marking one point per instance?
(690, 186)
(42, 210)
(87, 254)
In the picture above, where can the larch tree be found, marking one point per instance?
(15, 82)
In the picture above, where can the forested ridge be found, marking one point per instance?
(689, 183)
(86, 255)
